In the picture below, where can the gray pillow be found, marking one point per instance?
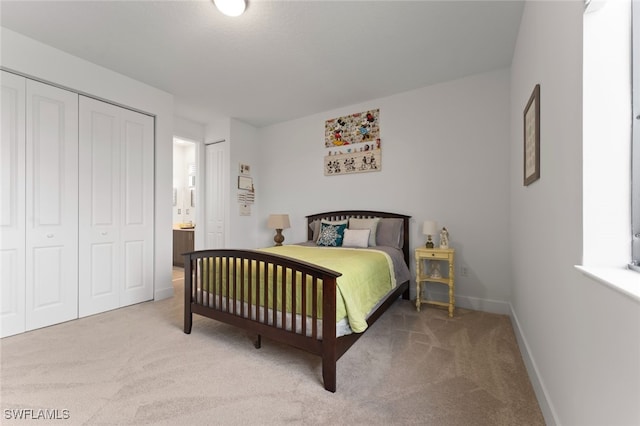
(370, 224)
(390, 232)
(315, 230)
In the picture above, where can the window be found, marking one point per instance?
(635, 149)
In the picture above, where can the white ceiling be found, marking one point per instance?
(282, 59)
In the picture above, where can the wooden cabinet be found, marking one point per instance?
(182, 243)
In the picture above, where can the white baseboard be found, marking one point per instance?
(473, 303)
(163, 293)
(538, 387)
(484, 305)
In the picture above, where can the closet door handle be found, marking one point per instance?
(50, 235)
(103, 233)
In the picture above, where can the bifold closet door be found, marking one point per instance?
(12, 205)
(51, 205)
(116, 205)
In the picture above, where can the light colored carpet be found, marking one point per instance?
(135, 366)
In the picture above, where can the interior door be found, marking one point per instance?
(12, 205)
(99, 223)
(215, 195)
(51, 205)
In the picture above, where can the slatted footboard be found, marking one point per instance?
(278, 297)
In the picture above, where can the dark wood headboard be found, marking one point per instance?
(364, 214)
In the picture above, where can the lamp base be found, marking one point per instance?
(278, 238)
(429, 243)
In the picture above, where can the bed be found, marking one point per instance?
(286, 293)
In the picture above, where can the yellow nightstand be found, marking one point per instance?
(422, 276)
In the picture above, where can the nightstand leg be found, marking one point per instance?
(451, 302)
(418, 293)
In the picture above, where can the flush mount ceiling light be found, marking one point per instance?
(231, 7)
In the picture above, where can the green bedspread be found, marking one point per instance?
(367, 275)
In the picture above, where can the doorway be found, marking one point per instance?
(184, 216)
(184, 183)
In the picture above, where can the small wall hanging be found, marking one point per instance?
(352, 144)
(532, 138)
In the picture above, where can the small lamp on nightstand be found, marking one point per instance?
(278, 222)
(429, 228)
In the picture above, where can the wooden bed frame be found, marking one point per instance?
(302, 332)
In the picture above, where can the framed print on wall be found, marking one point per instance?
(245, 169)
(352, 144)
(245, 182)
(532, 138)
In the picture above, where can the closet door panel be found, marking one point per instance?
(12, 205)
(99, 206)
(137, 209)
(51, 205)
(116, 198)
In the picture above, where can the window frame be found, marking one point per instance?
(635, 140)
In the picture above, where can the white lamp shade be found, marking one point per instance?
(231, 7)
(430, 227)
(278, 221)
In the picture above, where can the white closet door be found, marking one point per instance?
(51, 205)
(99, 222)
(215, 195)
(116, 204)
(12, 205)
(137, 186)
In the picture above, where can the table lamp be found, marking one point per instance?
(278, 222)
(429, 228)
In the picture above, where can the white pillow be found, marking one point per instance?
(356, 238)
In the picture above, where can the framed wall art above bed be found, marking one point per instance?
(352, 144)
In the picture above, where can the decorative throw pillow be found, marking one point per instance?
(370, 224)
(356, 238)
(331, 233)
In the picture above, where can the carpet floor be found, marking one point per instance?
(134, 365)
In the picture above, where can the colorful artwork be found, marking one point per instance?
(352, 144)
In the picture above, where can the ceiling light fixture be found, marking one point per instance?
(231, 7)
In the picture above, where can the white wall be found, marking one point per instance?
(31, 58)
(243, 149)
(189, 130)
(444, 157)
(580, 340)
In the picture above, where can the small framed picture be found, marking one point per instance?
(245, 182)
(245, 169)
(532, 138)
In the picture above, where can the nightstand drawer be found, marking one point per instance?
(438, 255)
